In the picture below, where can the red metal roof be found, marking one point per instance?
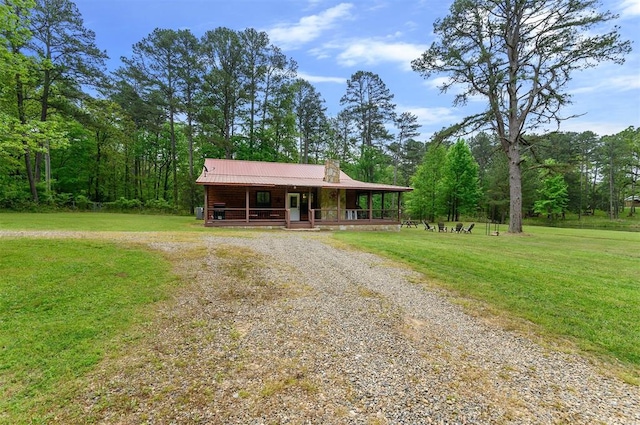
(225, 172)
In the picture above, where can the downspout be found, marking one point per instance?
(206, 204)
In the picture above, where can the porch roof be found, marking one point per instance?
(229, 172)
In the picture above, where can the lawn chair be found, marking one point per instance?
(468, 229)
(427, 227)
(442, 227)
(458, 228)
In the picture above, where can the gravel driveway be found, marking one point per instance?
(284, 327)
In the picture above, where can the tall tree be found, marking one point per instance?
(67, 56)
(155, 64)
(16, 73)
(407, 128)
(459, 189)
(368, 101)
(310, 113)
(223, 85)
(519, 55)
(422, 202)
(190, 72)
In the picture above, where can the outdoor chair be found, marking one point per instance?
(427, 227)
(442, 227)
(458, 228)
(468, 229)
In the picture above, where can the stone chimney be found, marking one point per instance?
(332, 171)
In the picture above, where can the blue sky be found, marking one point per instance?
(330, 40)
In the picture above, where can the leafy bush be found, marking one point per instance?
(123, 205)
(159, 205)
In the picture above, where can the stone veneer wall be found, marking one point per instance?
(329, 200)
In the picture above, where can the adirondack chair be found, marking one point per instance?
(458, 228)
(442, 227)
(468, 229)
(427, 227)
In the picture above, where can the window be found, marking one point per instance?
(263, 199)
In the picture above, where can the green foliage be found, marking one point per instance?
(458, 190)
(422, 201)
(553, 194)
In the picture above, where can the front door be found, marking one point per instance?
(294, 206)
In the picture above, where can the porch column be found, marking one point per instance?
(370, 206)
(383, 206)
(246, 205)
(398, 215)
(206, 204)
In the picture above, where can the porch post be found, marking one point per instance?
(246, 203)
(398, 214)
(383, 206)
(370, 206)
(206, 204)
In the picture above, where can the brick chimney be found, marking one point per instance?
(332, 171)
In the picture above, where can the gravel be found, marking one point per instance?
(286, 328)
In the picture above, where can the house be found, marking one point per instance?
(252, 193)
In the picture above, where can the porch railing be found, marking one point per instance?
(248, 215)
(353, 215)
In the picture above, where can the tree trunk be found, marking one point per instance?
(515, 189)
(27, 151)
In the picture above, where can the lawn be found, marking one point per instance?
(90, 221)
(63, 306)
(583, 285)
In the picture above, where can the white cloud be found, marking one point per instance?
(371, 52)
(308, 28)
(630, 7)
(322, 79)
(428, 117)
(609, 84)
(601, 128)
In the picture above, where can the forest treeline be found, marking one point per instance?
(73, 134)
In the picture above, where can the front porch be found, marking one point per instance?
(300, 208)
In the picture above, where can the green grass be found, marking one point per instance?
(583, 285)
(600, 221)
(89, 221)
(63, 304)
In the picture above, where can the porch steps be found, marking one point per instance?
(299, 225)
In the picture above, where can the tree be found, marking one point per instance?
(518, 55)
(189, 74)
(310, 112)
(67, 56)
(422, 202)
(553, 195)
(407, 126)
(368, 101)
(459, 190)
(223, 85)
(154, 64)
